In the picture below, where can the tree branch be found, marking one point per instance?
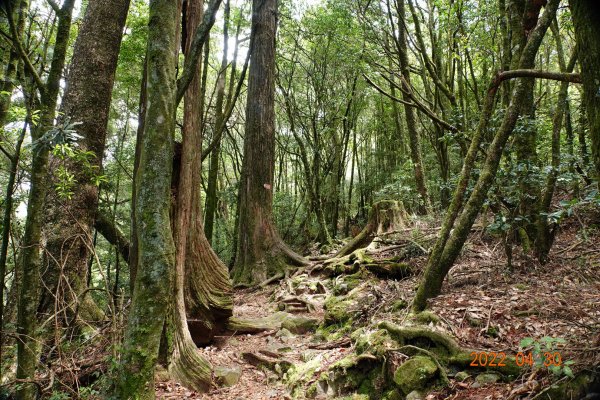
(54, 6)
(113, 235)
(191, 62)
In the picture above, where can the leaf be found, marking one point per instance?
(526, 342)
(568, 372)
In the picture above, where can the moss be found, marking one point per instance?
(375, 343)
(415, 374)
(299, 325)
(440, 344)
(425, 318)
(399, 305)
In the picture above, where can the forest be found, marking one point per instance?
(300, 199)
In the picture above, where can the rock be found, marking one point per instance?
(299, 325)
(487, 379)
(461, 376)
(415, 395)
(228, 376)
(284, 333)
(415, 374)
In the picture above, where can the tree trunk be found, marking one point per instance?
(409, 112)
(260, 251)
(211, 191)
(586, 14)
(208, 288)
(158, 308)
(545, 230)
(69, 222)
(454, 232)
(27, 343)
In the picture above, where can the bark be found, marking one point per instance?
(211, 191)
(69, 222)
(208, 289)
(159, 304)
(455, 231)
(154, 285)
(30, 257)
(585, 14)
(113, 235)
(409, 113)
(6, 227)
(544, 230)
(260, 251)
(9, 58)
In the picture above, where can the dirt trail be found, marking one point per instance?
(482, 306)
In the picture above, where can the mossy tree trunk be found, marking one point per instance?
(455, 228)
(30, 262)
(207, 288)
(260, 251)
(69, 222)
(158, 310)
(586, 14)
(154, 283)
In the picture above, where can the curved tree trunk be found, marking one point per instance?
(207, 287)
(69, 222)
(260, 251)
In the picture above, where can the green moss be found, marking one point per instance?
(399, 305)
(415, 374)
(425, 318)
(375, 343)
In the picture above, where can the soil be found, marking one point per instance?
(483, 305)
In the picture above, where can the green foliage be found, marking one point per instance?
(543, 351)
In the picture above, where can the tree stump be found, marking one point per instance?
(384, 217)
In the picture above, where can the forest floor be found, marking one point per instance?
(483, 306)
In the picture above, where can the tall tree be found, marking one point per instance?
(158, 311)
(208, 291)
(455, 228)
(260, 250)
(69, 221)
(30, 261)
(586, 14)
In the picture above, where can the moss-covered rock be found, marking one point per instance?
(341, 309)
(417, 373)
(373, 342)
(299, 325)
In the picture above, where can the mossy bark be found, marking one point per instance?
(585, 14)
(154, 283)
(447, 250)
(69, 222)
(30, 263)
(260, 250)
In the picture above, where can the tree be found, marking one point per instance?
(455, 231)
(30, 258)
(70, 220)
(208, 291)
(260, 251)
(587, 34)
(158, 312)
